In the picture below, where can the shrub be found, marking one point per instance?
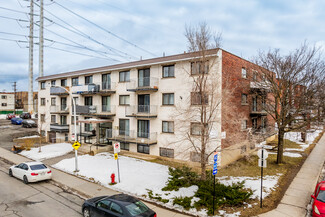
(180, 177)
(184, 202)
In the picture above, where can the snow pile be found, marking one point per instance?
(296, 136)
(48, 151)
(254, 183)
(26, 137)
(3, 116)
(136, 175)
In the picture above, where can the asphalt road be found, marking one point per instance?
(8, 132)
(35, 199)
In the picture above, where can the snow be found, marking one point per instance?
(3, 116)
(254, 183)
(288, 154)
(48, 151)
(26, 137)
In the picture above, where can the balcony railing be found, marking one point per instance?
(143, 84)
(260, 85)
(258, 110)
(59, 109)
(86, 109)
(58, 91)
(60, 128)
(104, 87)
(141, 111)
(133, 136)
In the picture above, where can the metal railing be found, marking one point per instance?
(59, 108)
(141, 110)
(133, 136)
(143, 83)
(58, 91)
(59, 127)
(93, 87)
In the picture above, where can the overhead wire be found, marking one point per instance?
(77, 53)
(107, 31)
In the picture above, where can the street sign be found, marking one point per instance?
(115, 156)
(76, 145)
(117, 147)
(263, 154)
(215, 163)
(260, 163)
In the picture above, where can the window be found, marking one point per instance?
(196, 157)
(166, 152)
(64, 83)
(63, 120)
(42, 132)
(124, 127)
(116, 208)
(196, 129)
(89, 79)
(53, 83)
(75, 81)
(143, 128)
(42, 101)
(53, 119)
(124, 146)
(143, 149)
(144, 77)
(42, 118)
(72, 119)
(64, 104)
(106, 103)
(43, 85)
(4, 104)
(168, 71)
(76, 100)
(88, 100)
(124, 99)
(244, 124)
(106, 82)
(53, 101)
(198, 68)
(103, 204)
(196, 98)
(3, 97)
(125, 76)
(168, 99)
(244, 99)
(168, 127)
(88, 127)
(254, 123)
(66, 137)
(254, 76)
(243, 73)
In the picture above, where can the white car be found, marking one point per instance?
(31, 172)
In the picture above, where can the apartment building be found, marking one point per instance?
(144, 105)
(7, 102)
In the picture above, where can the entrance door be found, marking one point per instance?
(144, 103)
(52, 137)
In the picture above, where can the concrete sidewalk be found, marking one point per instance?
(81, 186)
(297, 197)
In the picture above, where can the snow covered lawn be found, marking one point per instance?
(48, 151)
(3, 116)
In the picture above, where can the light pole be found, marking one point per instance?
(75, 127)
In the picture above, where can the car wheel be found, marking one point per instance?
(86, 212)
(10, 172)
(25, 179)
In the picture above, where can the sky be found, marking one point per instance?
(82, 34)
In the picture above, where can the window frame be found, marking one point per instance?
(124, 104)
(73, 83)
(53, 117)
(89, 78)
(64, 82)
(53, 82)
(168, 127)
(197, 96)
(42, 118)
(244, 96)
(195, 124)
(244, 122)
(199, 63)
(43, 101)
(124, 76)
(168, 71)
(169, 98)
(163, 149)
(43, 85)
(243, 72)
(4, 104)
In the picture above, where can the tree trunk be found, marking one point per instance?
(280, 146)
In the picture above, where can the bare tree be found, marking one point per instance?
(197, 117)
(294, 80)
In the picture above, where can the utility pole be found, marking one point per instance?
(31, 47)
(41, 40)
(15, 98)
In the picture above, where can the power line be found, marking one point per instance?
(10, 18)
(9, 9)
(78, 32)
(107, 31)
(76, 53)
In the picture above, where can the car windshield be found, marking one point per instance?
(321, 196)
(137, 208)
(30, 121)
(38, 167)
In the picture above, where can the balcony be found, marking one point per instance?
(258, 110)
(141, 111)
(143, 84)
(85, 109)
(260, 86)
(134, 137)
(58, 91)
(102, 111)
(59, 128)
(104, 88)
(59, 109)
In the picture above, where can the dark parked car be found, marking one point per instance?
(121, 205)
(29, 123)
(9, 116)
(17, 121)
(25, 115)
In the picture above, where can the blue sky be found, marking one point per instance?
(156, 26)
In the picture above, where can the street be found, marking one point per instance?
(35, 199)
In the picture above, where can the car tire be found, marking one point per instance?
(10, 173)
(86, 212)
(25, 179)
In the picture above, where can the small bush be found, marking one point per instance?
(156, 196)
(180, 177)
(184, 202)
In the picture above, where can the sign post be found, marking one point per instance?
(214, 172)
(117, 150)
(262, 154)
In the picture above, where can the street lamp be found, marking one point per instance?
(75, 127)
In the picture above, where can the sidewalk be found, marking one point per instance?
(83, 187)
(297, 197)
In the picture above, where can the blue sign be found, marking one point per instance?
(215, 165)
